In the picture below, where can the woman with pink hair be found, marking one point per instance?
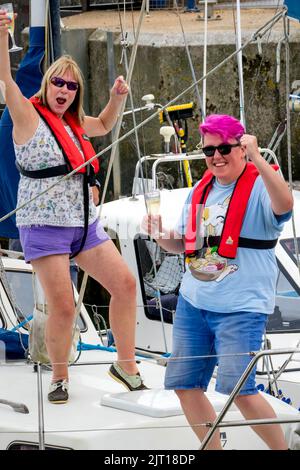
(228, 230)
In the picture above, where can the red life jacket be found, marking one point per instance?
(72, 156)
(70, 150)
(230, 239)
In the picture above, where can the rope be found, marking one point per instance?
(278, 351)
(167, 358)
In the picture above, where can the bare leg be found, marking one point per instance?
(257, 407)
(54, 275)
(105, 264)
(198, 409)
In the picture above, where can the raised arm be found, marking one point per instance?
(22, 112)
(101, 125)
(280, 195)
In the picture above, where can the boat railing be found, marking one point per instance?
(218, 421)
(159, 158)
(176, 158)
(212, 425)
(88, 5)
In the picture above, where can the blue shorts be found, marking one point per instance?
(45, 240)
(199, 332)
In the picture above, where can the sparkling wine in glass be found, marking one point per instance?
(153, 202)
(8, 7)
(152, 199)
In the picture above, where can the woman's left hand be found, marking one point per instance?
(120, 87)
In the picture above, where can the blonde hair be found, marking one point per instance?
(58, 68)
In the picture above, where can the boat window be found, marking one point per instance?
(286, 316)
(163, 283)
(289, 246)
(23, 445)
(20, 283)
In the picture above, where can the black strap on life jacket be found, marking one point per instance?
(86, 210)
(243, 243)
(59, 170)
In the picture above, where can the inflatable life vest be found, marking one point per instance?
(72, 156)
(230, 239)
(71, 153)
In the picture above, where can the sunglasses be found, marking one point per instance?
(60, 82)
(223, 149)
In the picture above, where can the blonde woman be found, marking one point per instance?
(51, 137)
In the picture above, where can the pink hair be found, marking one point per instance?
(226, 126)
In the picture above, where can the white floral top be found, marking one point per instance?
(63, 204)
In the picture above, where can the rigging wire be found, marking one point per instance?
(124, 58)
(139, 92)
(200, 100)
(253, 38)
(240, 63)
(224, 424)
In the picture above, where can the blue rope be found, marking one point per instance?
(88, 347)
(22, 323)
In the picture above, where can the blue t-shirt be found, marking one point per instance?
(250, 282)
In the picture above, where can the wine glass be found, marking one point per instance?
(152, 199)
(8, 7)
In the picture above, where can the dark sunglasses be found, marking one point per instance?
(60, 82)
(223, 149)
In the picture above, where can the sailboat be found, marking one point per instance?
(100, 415)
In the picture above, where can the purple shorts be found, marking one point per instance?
(45, 240)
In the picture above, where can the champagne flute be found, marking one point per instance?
(152, 199)
(8, 7)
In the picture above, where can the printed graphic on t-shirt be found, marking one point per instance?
(209, 266)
